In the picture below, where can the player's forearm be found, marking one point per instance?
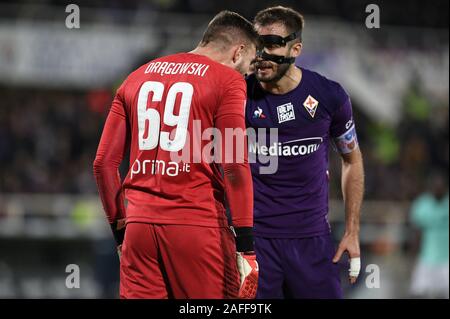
(239, 191)
(110, 190)
(353, 190)
(107, 161)
(237, 175)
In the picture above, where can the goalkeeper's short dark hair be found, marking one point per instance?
(229, 28)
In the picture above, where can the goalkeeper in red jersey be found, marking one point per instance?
(173, 236)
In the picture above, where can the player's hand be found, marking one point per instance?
(248, 271)
(350, 244)
(118, 230)
(119, 251)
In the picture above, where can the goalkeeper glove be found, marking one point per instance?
(246, 262)
(118, 230)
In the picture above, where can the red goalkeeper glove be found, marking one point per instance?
(246, 263)
(248, 271)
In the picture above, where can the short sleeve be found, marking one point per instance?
(343, 129)
(342, 119)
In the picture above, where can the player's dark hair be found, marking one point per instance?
(292, 20)
(229, 27)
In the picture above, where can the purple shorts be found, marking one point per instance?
(297, 268)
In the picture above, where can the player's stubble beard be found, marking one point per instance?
(280, 70)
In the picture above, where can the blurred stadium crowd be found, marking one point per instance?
(51, 119)
(48, 141)
(404, 12)
(48, 137)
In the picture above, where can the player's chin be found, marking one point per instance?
(264, 75)
(264, 78)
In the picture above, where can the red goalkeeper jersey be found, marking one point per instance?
(164, 113)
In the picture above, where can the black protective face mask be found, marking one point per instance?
(278, 59)
(270, 40)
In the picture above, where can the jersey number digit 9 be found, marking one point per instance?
(152, 117)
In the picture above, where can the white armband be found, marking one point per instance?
(347, 142)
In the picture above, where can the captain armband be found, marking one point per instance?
(347, 142)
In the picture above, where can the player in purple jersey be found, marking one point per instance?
(294, 247)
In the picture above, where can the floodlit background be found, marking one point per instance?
(56, 85)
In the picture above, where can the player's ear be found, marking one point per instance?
(296, 49)
(238, 53)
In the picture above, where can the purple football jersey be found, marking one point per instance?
(292, 202)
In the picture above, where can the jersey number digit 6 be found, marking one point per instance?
(153, 117)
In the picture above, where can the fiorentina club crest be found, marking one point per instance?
(310, 105)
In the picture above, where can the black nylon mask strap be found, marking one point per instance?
(272, 39)
(278, 59)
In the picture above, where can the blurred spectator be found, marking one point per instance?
(48, 140)
(430, 213)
